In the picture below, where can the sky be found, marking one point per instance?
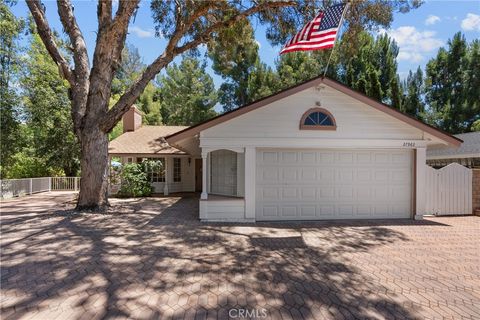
(419, 33)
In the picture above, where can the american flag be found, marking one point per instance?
(320, 33)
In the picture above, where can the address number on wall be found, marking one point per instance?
(409, 144)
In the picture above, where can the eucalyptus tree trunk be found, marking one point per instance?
(94, 170)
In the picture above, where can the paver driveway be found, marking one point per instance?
(155, 260)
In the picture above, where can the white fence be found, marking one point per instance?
(19, 187)
(449, 190)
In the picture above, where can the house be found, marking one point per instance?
(468, 154)
(318, 150)
(138, 143)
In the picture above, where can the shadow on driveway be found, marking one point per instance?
(152, 258)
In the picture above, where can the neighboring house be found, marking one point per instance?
(138, 143)
(319, 150)
(468, 154)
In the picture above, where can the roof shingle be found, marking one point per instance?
(145, 140)
(469, 147)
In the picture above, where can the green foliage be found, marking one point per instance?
(10, 68)
(234, 53)
(134, 179)
(373, 69)
(186, 93)
(451, 85)
(47, 110)
(130, 69)
(413, 87)
(476, 125)
(297, 67)
(150, 105)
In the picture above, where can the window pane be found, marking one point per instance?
(177, 170)
(318, 119)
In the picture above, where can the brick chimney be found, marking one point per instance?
(132, 119)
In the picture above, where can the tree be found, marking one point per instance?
(293, 68)
(373, 69)
(47, 111)
(185, 25)
(451, 85)
(130, 68)
(150, 105)
(262, 82)
(412, 101)
(10, 65)
(234, 53)
(187, 93)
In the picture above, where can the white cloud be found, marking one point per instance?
(413, 43)
(471, 22)
(139, 32)
(431, 20)
(410, 56)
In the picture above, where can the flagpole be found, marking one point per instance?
(336, 35)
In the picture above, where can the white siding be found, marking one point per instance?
(222, 210)
(281, 119)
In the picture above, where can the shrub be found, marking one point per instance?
(134, 181)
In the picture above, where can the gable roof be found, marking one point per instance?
(470, 148)
(191, 131)
(145, 140)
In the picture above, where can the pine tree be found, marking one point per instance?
(451, 86)
(187, 94)
(412, 101)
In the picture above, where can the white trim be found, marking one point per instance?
(421, 166)
(165, 187)
(250, 164)
(222, 147)
(204, 195)
(309, 142)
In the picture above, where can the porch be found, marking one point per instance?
(224, 193)
(178, 173)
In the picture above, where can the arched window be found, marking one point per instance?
(317, 119)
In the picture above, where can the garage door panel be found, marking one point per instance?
(333, 184)
(289, 175)
(308, 193)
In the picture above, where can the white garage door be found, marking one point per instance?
(333, 184)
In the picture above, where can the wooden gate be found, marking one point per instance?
(449, 190)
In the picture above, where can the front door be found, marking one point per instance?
(198, 175)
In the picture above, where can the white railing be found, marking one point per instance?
(19, 187)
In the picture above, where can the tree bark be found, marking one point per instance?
(94, 166)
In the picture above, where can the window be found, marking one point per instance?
(156, 173)
(317, 119)
(223, 172)
(177, 170)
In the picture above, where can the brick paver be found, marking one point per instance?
(154, 259)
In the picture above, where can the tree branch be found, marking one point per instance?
(119, 26)
(104, 13)
(128, 98)
(80, 55)
(82, 65)
(48, 39)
